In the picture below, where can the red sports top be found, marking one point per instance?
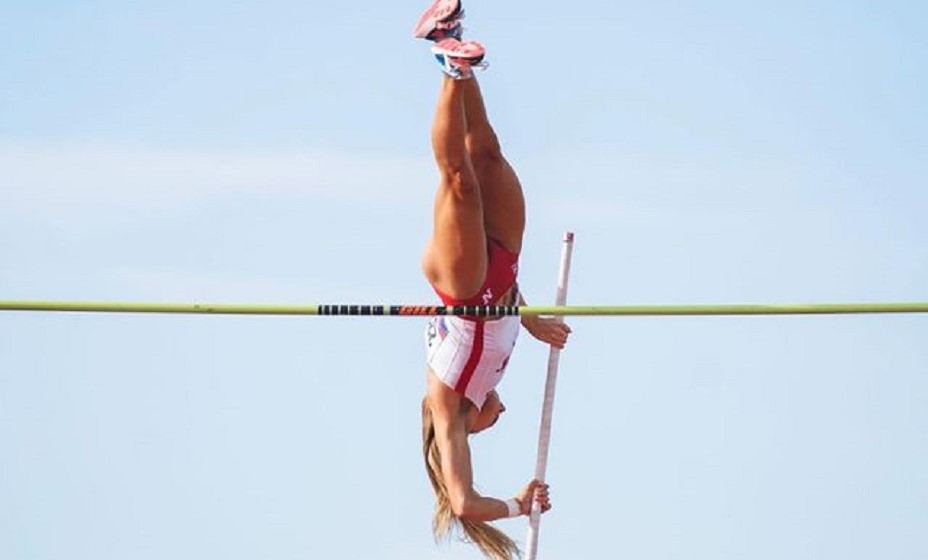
(502, 269)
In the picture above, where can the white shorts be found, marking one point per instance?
(470, 356)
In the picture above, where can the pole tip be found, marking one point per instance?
(569, 237)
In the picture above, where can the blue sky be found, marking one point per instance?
(277, 151)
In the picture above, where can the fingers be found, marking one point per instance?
(557, 334)
(541, 493)
(542, 498)
(550, 330)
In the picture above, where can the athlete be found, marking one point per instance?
(471, 259)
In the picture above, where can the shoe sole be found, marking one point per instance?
(466, 60)
(432, 17)
(439, 48)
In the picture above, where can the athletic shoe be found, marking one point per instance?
(442, 20)
(458, 58)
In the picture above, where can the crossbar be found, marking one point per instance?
(464, 310)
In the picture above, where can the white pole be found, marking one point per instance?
(544, 432)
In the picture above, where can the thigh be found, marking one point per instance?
(503, 201)
(455, 259)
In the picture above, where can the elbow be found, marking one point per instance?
(463, 507)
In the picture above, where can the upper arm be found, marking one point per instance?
(525, 320)
(451, 438)
(450, 426)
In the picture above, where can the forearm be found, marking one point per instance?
(484, 508)
(549, 330)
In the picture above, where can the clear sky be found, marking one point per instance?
(277, 151)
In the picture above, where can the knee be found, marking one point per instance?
(485, 149)
(460, 180)
(452, 163)
(457, 173)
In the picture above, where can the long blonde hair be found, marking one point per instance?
(490, 540)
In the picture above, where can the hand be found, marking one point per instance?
(547, 329)
(537, 489)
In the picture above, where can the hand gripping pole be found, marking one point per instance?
(544, 432)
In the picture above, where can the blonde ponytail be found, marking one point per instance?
(491, 541)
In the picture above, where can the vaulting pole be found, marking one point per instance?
(547, 409)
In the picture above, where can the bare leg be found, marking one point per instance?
(455, 259)
(503, 202)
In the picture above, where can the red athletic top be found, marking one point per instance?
(502, 269)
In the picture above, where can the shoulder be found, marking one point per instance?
(448, 406)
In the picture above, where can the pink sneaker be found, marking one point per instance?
(458, 58)
(441, 20)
